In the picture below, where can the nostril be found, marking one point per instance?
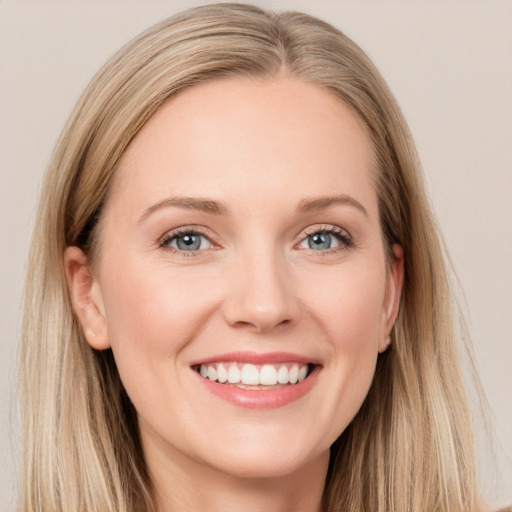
(261, 324)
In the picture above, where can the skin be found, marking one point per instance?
(261, 148)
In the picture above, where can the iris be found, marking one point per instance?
(320, 241)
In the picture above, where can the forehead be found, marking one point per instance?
(248, 138)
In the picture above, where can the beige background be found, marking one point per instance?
(449, 64)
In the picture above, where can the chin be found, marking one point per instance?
(254, 462)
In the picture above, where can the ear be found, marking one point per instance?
(394, 283)
(86, 298)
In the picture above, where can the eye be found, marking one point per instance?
(325, 239)
(320, 241)
(186, 241)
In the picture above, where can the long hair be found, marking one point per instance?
(410, 446)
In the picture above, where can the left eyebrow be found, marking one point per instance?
(315, 204)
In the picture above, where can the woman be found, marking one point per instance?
(237, 286)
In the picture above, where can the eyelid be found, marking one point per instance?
(325, 228)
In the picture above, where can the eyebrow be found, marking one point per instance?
(315, 204)
(190, 203)
(217, 208)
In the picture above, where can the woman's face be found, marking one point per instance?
(241, 243)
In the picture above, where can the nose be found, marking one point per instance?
(260, 295)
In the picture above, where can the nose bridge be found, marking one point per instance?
(260, 295)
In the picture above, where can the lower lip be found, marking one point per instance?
(261, 399)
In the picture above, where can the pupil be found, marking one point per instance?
(188, 242)
(320, 241)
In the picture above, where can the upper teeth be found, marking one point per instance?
(250, 374)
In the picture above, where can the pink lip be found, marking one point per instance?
(254, 398)
(257, 358)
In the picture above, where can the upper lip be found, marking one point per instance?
(257, 358)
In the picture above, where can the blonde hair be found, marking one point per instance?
(409, 448)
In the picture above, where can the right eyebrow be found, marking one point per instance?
(191, 203)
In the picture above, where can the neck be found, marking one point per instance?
(181, 484)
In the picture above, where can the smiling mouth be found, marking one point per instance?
(254, 376)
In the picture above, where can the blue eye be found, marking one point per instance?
(325, 239)
(320, 241)
(186, 241)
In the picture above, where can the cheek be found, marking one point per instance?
(349, 305)
(144, 303)
(152, 315)
(350, 315)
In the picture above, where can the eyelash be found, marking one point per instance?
(343, 237)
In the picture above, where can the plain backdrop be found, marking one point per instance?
(449, 64)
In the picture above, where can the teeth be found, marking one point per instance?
(268, 375)
(282, 375)
(233, 375)
(254, 375)
(250, 375)
(293, 374)
(212, 373)
(222, 373)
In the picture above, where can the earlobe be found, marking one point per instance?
(393, 293)
(86, 298)
(383, 346)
